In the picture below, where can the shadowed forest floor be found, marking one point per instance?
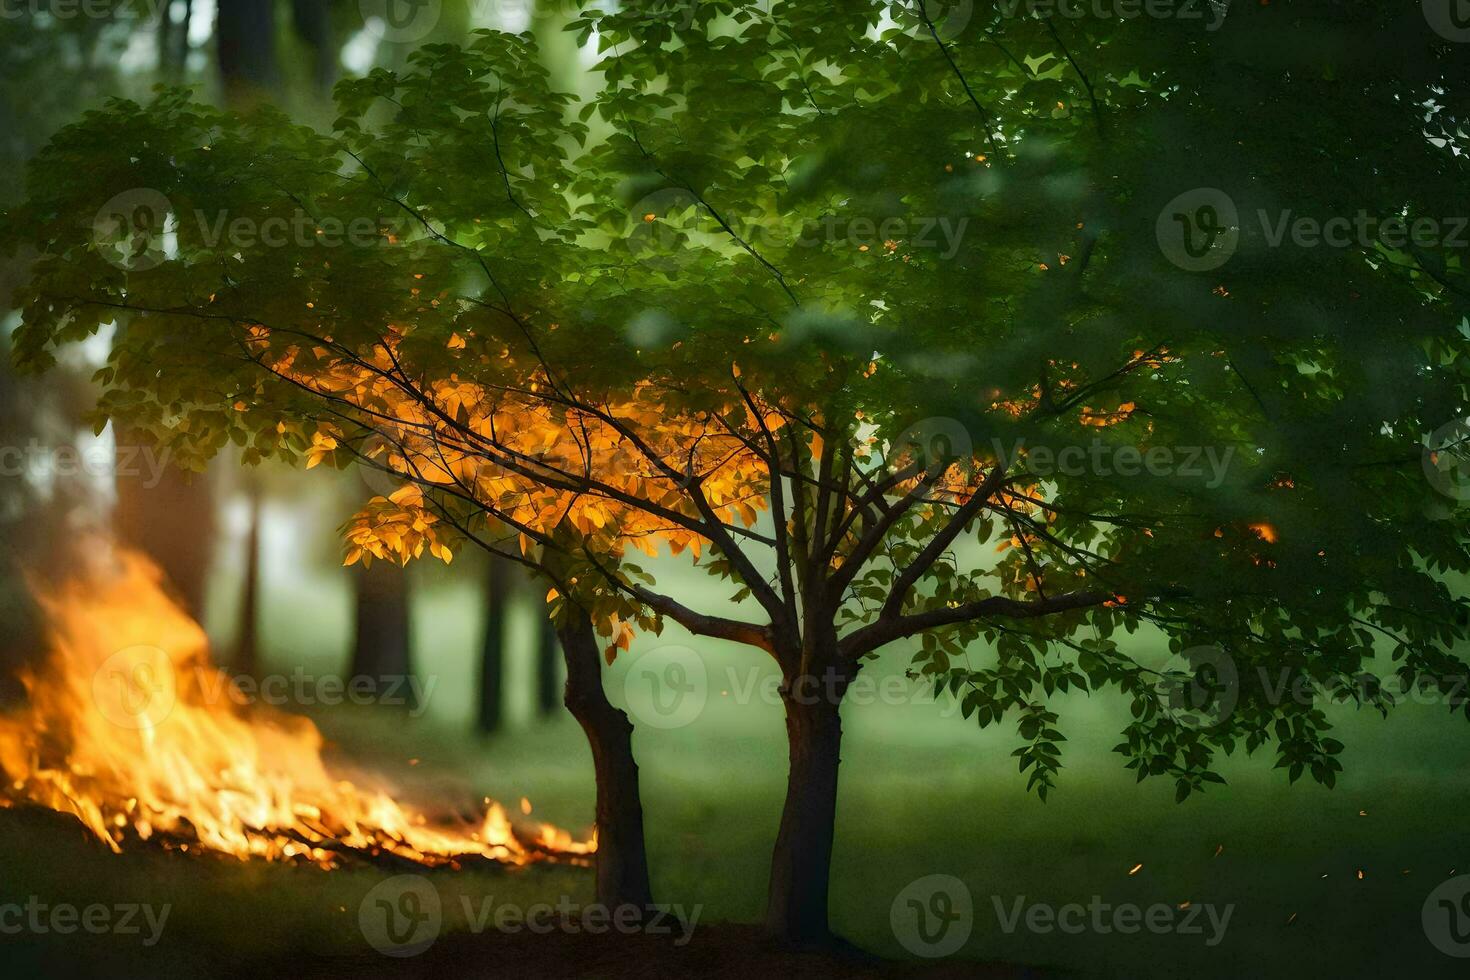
(1317, 882)
(1289, 866)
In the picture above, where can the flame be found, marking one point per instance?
(126, 729)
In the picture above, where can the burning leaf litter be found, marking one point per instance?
(120, 731)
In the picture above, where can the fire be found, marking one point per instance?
(125, 729)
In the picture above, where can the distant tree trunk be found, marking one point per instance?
(622, 862)
(313, 22)
(492, 650)
(380, 646)
(246, 37)
(171, 521)
(547, 655)
(173, 40)
(801, 862)
(247, 649)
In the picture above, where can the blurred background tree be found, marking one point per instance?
(288, 52)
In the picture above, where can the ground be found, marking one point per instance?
(1319, 882)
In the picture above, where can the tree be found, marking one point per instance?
(492, 649)
(724, 328)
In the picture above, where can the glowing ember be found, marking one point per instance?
(125, 730)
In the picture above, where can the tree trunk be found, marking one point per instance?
(622, 863)
(173, 40)
(247, 648)
(801, 864)
(380, 648)
(245, 32)
(171, 520)
(313, 22)
(492, 651)
(546, 658)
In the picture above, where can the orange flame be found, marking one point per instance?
(121, 731)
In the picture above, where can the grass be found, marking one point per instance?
(922, 793)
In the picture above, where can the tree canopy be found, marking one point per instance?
(814, 291)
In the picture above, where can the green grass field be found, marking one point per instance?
(923, 792)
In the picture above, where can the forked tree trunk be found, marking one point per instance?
(801, 863)
(622, 862)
